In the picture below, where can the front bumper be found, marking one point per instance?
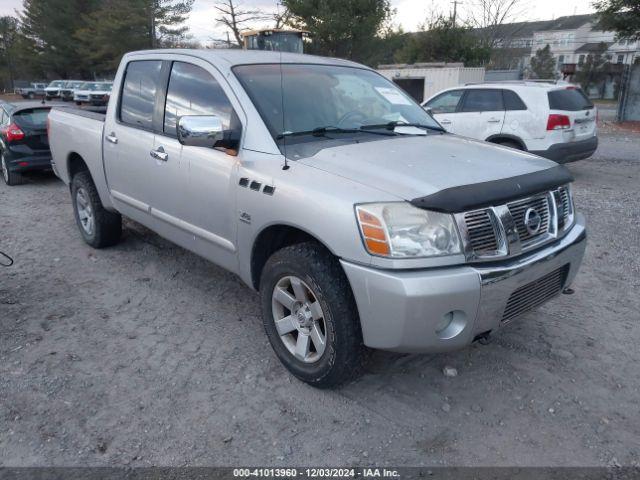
(571, 151)
(406, 311)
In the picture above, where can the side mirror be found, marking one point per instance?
(201, 131)
(429, 110)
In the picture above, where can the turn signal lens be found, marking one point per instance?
(375, 238)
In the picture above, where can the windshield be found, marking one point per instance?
(56, 84)
(93, 86)
(319, 96)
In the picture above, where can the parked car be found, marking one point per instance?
(358, 219)
(93, 93)
(555, 121)
(68, 89)
(24, 145)
(33, 91)
(53, 90)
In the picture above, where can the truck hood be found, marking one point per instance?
(416, 166)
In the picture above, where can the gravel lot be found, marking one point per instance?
(145, 354)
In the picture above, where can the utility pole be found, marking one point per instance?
(455, 10)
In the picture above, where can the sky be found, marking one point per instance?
(409, 13)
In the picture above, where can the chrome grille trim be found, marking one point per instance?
(534, 294)
(497, 232)
(518, 209)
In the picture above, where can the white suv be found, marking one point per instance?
(556, 121)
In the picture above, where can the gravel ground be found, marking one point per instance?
(145, 354)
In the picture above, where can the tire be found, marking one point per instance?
(325, 285)
(105, 227)
(9, 177)
(510, 143)
(31, 96)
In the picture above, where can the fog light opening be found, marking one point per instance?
(451, 324)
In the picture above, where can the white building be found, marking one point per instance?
(571, 39)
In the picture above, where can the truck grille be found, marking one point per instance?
(518, 210)
(481, 231)
(564, 205)
(534, 294)
(500, 231)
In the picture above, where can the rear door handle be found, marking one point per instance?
(111, 138)
(494, 120)
(159, 154)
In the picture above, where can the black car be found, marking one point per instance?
(24, 144)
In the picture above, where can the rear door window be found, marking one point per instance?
(445, 103)
(139, 93)
(482, 100)
(193, 91)
(569, 99)
(512, 101)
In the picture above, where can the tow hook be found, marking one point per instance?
(568, 291)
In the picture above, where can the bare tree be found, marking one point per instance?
(236, 18)
(490, 18)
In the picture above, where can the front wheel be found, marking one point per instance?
(99, 227)
(310, 315)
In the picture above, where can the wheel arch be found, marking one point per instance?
(76, 164)
(505, 136)
(273, 238)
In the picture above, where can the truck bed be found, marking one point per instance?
(95, 113)
(75, 138)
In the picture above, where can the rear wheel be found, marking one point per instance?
(99, 227)
(31, 95)
(510, 144)
(9, 177)
(310, 315)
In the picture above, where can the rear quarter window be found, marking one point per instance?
(512, 101)
(569, 99)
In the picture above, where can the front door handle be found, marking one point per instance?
(111, 138)
(159, 154)
(444, 121)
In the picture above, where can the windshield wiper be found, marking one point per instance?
(399, 123)
(322, 132)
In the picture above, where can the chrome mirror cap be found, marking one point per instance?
(200, 130)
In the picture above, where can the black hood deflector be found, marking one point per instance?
(495, 192)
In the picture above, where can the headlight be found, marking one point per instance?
(400, 230)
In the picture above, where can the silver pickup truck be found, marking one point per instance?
(360, 221)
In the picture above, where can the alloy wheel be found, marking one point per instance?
(85, 211)
(299, 319)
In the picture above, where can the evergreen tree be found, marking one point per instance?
(50, 27)
(621, 16)
(441, 40)
(593, 72)
(341, 28)
(543, 64)
(8, 38)
(121, 26)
